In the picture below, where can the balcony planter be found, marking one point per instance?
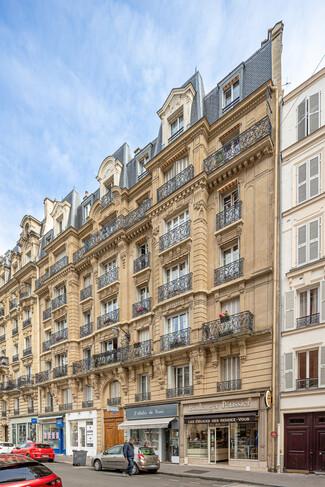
(137, 344)
(224, 317)
(141, 309)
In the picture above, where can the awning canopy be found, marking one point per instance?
(141, 424)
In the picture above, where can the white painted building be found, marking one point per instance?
(302, 317)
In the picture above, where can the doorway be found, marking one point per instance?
(112, 435)
(218, 444)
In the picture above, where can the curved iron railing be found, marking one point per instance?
(61, 371)
(108, 318)
(141, 307)
(309, 383)
(27, 322)
(86, 329)
(85, 293)
(237, 323)
(310, 320)
(137, 214)
(15, 358)
(46, 346)
(179, 233)
(175, 287)
(83, 365)
(229, 272)
(114, 401)
(229, 215)
(175, 183)
(27, 351)
(60, 264)
(65, 407)
(105, 358)
(141, 263)
(59, 301)
(13, 304)
(174, 340)
(108, 278)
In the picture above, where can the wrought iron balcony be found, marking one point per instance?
(15, 331)
(24, 294)
(49, 409)
(59, 336)
(27, 322)
(78, 254)
(30, 409)
(15, 358)
(237, 323)
(65, 407)
(175, 183)
(114, 401)
(16, 412)
(228, 215)
(137, 214)
(83, 365)
(60, 264)
(107, 199)
(136, 351)
(173, 237)
(175, 135)
(175, 287)
(106, 358)
(141, 263)
(13, 304)
(237, 145)
(27, 351)
(59, 301)
(108, 318)
(141, 307)
(40, 281)
(86, 329)
(4, 361)
(60, 371)
(108, 278)
(306, 321)
(229, 385)
(42, 376)
(231, 105)
(2, 337)
(102, 234)
(11, 385)
(46, 345)
(229, 272)
(2, 312)
(180, 392)
(85, 293)
(174, 340)
(143, 396)
(25, 381)
(47, 313)
(87, 404)
(310, 383)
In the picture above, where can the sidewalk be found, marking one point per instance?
(265, 479)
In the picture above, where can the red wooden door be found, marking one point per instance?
(319, 442)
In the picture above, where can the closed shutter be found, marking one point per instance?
(302, 245)
(170, 377)
(313, 177)
(321, 379)
(302, 182)
(288, 367)
(302, 119)
(313, 113)
(289, 310)
(322, 301)
(313, 240)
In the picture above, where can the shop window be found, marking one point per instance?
(197, 440)
(244, 441)
(89, 434)
(50, 433)
(147, 437)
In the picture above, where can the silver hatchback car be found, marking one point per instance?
(145, 459)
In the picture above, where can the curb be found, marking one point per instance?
(221, 479)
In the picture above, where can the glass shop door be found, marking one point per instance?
(218, 444)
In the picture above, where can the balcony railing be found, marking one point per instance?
(15, 358)
(180, 391)
(175, 183)
(86, 329)
(142, 396)
(49, 409)
(108, 318)
(59, 336)
(40, 281)
(65, 407)
(11, 385)
(47, 313)
(16, 412)
(174, 340)
(83, 365)
(136, 351)
(231, 105)
(25, 381)
(60, 264)
(4, 361)
(175, 135)
(46, 345)
(141, 307)
(13, 304)
(106, 358)
(87, 404)
(78, 254)
(61, 371)
(24, 294)
(30, 409)
(114, 401)
(15, 331)
(175, 287)
(310, 383)
(237, 145)
(141, 263)
(237, 323)
(107, 199)
(229, 385)
(85, 293)
(27, 322)
(27, 351)
(229, 272)
(229, 215)
(306, 321)
(179, 233)
(108, 278)
(2, 337)
(59, 301)
(137, 214)
(42, 376)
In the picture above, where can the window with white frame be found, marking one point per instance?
(176, 271)
(16, 404)
(308, 116)
(308, 366)
(177, 167)
(61, 359)
(58, 291)
(86, 353)
(87, 281)
(86, 317)
(115, 390)
(88, 393)
(107, 266)
(177, 220)
(308, 178)
(4, 406)
(16, 349)
(143, 293)
(49, 400)
(231, 94)
(307, 369)
(60, 325)
(27, 314)
(30, 402)
(180, 377)
(176, 125)
(143, 384)
(3, 331)
(109, 306)
(230, 254)
(230, 199)
(67, 396)
(308, 302)
(109, 345)
(232, 307)
(87, 209)
(27, 342)
(144, 335)
(141, 164)
(60, 225)
(231, 368)
(142, 249)
(28, 371)
(48, 365)
(176, 323)
(308, 242)
(47, 335)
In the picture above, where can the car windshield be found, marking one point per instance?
(41, 445)
(147, 451)
(26, 471)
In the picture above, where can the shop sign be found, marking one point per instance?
(250, 417)
(33, 420)
(221, 406)
(268, 399)
(113, 409)
(59, 422)
(163, 411)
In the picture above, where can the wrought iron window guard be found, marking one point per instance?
(180, 392)
(24, 294)
(47, 313)
(40, 281)
(142, 396)
(85, 293)
(87, 404)
(237, 323)
(60, 264)
(60, 371)
(2, 337)
(65, 407)
(175, 135)
(174, 236)
(108, 318)
(86, 329)
(107, 199)
(59, 301)
(228, 272)
(27, 322)
(15, 331)
(230, 105)
(42, 376)
(141, 307)
(105, 358)
(27, 351)
(4, 361)
(228, 215)
(229, 385)
(13, 304)
(83, 365)
(16, 412)
(309, 383)
(175, 183)
(310, 320)
(141, 263)
(177, 339)
(108, 278)
(30, 409)
(15, 358)
(25, 381)
(59, 336)
(175, 287)
(114, 401)
(49, 409)
(46, 346)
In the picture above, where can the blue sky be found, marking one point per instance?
(80, 77)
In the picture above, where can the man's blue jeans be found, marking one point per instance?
(129, 468)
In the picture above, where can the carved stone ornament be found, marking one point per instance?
(242, 349)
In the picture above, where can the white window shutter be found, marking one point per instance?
(289, 310)
(302, 119)
(288, 368)
(322, 301)
(170, 377)
(302, 183)
(313, 177)
(321, 376)
(190, 374)
(314, 240)
(313, 112)
(302, 245)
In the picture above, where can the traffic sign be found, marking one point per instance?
(274, 434)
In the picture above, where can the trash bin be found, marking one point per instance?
(79, 458)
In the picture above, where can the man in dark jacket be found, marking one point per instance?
(128, 452)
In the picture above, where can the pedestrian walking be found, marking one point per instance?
(128, 452)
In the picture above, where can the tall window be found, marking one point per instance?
(88, 393)
(107, 266)
(230, 199)
(232, 307)
(143, 293)
(2, 331)
(61, 359)
(308, 116)
(308, 369)
(87, 210)
(141, 164)
(16, 404)
(60, 225)
(142, 249)
(182, 376)
(144, 335)
(87, 281)
(86, 317)
(308, 302)
(176, 125)
(115, 389)
(27, 342)
(177, 323)
(177, 167)
(231, 254)
(177, 271)
(87, 353)
(143, 384)
(109, 306)
(60, 325)
(308, 242)
(67, 396)
(231, 368)
(58, 291)
(231, 95)
(109, 345)
(177, 220)
(49, 400)
(308, 180)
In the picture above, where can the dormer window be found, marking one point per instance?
(231, 94)
(176, 127)
(60, 224)
(87, 210)
(141, 164)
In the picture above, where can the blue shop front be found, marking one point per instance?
(52, 431)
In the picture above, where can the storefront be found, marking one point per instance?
(22, 429)
(52, 432)
(81, 428)
(231, 431)
(155, 426)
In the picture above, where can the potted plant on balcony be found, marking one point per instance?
(224, 317)
(141, 309)
(137, 344)
(107, 320)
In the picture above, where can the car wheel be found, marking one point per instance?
(135, 470)
(97, 465)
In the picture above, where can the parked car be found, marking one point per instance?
(6, 447)
(37, 451)
(145, 459)
(19, 471)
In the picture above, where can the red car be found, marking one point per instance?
(37, 451)
(19, 471)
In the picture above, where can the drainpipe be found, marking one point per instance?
(38, 353)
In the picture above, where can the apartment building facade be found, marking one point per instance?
(303, 277)
(155, 294)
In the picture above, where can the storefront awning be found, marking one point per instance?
(142, 424)
(45, 418)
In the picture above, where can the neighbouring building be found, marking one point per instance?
(155, 295)
(303, 277)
